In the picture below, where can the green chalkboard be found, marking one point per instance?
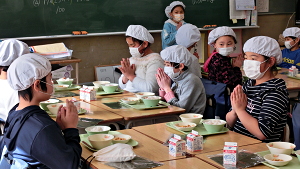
(281, 6)
(28, 18)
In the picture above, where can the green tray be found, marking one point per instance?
(199, 128)
(295, 163)
(293, 77)
(101, 93)
(84, 137)
(142, 106)
(72, 87)
(82, 111)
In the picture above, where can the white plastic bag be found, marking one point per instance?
(115, 153)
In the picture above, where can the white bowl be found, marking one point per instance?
(53, 108)
(191, 117)
(100, 83)
(97, 130)
(110, 87)
(65, 81)
(121, 138)
(281, 147)
(60, 87)
(213, 125)
(141, 94)
(272, 159)
(44, 104)
(130, 100)
(185, 126)
(100, 141)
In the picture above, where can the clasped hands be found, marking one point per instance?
(127, 70)
(163, 80)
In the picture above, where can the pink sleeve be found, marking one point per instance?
(170, 95)
(162, 93)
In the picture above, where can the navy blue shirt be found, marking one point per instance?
(38, 140)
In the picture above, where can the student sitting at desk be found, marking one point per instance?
(138, 72)
(187, 90)
(259, 108)
(219, 65)
(31, 137)
(291, 54)
(188, 35)
(175, 13)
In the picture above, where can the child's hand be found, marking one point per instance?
(127, 70)
(178, 25)
(163, 80)
(238, 99)
(238, 62)
(67, 117)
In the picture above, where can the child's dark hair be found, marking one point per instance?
(177, 6)
(274, 67)
(176, 65)
(139, 41)
(229, 36)
(293, 37)
(27, 93)
(4, 68)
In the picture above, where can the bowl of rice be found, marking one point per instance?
(213, 125)
(97, 130)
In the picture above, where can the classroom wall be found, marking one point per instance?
(105, 50)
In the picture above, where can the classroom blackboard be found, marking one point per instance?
(281, 6)
(29, 18)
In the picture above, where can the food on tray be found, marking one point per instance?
(184, 125)
(118, 138)
(151, 98)
(275, 159)
(214, 122)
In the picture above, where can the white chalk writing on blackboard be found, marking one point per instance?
(37, 3)
(201, 1)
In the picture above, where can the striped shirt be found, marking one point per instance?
(268, 103)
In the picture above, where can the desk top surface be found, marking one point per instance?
(72, 60)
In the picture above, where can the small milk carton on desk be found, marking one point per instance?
(90, 94)
(194, 141)
(82, 93)
(230, 153)
(177, 146)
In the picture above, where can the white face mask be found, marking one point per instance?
(178, 17)
(170, 72)
(52, 89)
(135, 51)
(252, 69)
(226, 51)
(288, 45)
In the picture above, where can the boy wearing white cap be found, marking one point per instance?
(31, 137)
(187, 90)
(188, 35)
(219, 66)
(175, 13)
(291, 54)
(10, 50)
(138, 71)
(259, 108)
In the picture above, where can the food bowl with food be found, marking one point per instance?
(44, 104)
(110, 87)
(130, 100)
(65, 81)
(281, 147)
(53, 108)
(278, 159)
(213, 125)
(185, 126)
(121, 138)
(151, 101)
(142, 94)
(99, 84)
(100, 141)
(60, 87)
(97, 130)
(191, 117)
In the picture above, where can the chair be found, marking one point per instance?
(210, 108)
(296, 124)
(221, 94)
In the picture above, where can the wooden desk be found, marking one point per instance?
(67, 61)
(292, 85)
(147, 148)
(160, 132)
(253, 148)
(192, 163)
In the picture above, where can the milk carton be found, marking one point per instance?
(293, 71)
(76, 103)
(82, 93)
(177, 146)
(90, 94)
(194, 141)
(230, 153)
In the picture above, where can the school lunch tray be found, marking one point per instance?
(72, 87)
(101, 93)
(142, 106)
(199, 128)
(298, 78)
(295, 163)
(84, 138)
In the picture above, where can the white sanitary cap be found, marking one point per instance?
(26, 69)
(171, 6)
(187, 35)
(265, 46)
(218, 32)
(10, 50)
(177, 54)
(293, 31)
(139, 32)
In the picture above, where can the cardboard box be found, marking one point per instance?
(177, 146)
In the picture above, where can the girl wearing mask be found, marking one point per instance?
(220, 67)
(259, 107)
(291, 54)
(187, 90)
(175, 13)
(138, 71)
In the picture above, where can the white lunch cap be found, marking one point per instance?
(218, 32)
(26, 69)
(187, 35)
(177, 54)
(139, 32)
(293, 31)
(265, 46)
(171, 6)
(10, 50)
